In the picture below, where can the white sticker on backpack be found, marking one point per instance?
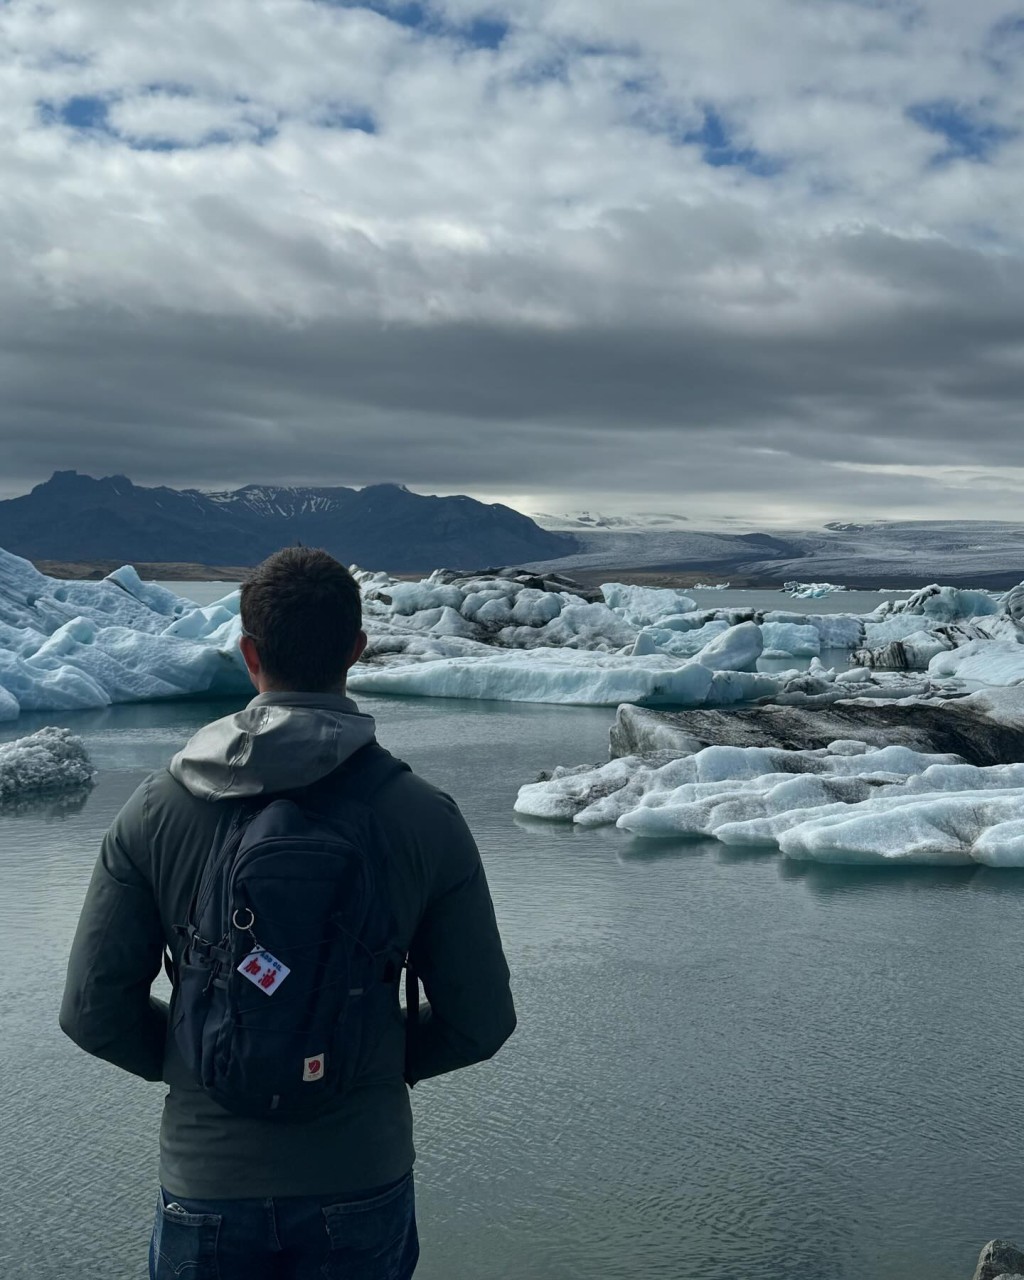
(313, 1068)
(264, 970)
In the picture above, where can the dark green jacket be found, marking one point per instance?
(149, 865)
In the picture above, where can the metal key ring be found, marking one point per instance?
(243, 927)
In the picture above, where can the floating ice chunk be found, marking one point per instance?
(496, 612)
(412, 597)
(855, 675)
(989, 661)
(50, 760)
(934, 830)
(811, 590)
(585, 678)
(845, 804)
(49, 685)
(583, 626)
(737, 649)
(692, 621)
(912, 654)
(201, 623)
(1001, 845)
(641, 606)
(791, 639)
(451, 623)
(476, 600)
(10, 708)
(533, 608)
(762, 797)
(947, 604)
(159, 599)
(644, 645)
(684, 644)
(835, 630)
(576, 789)
(73, 645)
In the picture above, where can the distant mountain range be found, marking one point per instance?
(74, 517)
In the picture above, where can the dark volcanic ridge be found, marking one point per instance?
(75, 518)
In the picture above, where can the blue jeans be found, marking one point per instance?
(372, 1237)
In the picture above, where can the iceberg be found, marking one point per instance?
(885, 805)
(572, 677)
(810, 590)
(849, 801)
(500, 634)
(67, 646)
(52, 760)
(986, 661)
(641, 606)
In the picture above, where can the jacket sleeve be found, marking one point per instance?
(457, 954)
(107, 1008)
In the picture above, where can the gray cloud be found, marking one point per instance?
(565, 285)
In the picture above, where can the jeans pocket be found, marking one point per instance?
(184, 1244)
(373, 1239)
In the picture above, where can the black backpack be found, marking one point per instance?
(290, 966)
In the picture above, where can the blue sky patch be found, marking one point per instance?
(339, 117)
(215, 138)
(482, 32)
(84, 111)
(966, 135)
(720, 149)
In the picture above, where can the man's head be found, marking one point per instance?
(301, 622)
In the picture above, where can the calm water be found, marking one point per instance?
(724, 1069)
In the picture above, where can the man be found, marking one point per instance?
(258, 1198)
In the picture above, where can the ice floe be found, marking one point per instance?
(811, 590)
(847, 803)
(49, 761)
(840, 800)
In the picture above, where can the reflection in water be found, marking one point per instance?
(48, 804)
(728, 1065)
(828, 878)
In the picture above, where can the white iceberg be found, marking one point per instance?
(574, 677)
(848, 803)
(67, 646)
(509, 636)
(990, 662)
(811, 590)
(641, 606)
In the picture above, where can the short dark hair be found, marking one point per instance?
(303, 611)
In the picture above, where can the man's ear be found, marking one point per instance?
(251, 657)
(356, 651)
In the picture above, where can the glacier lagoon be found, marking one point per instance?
(726, 1064)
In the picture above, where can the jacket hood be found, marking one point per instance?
(278, 742)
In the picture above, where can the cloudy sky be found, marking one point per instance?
(753, 257)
